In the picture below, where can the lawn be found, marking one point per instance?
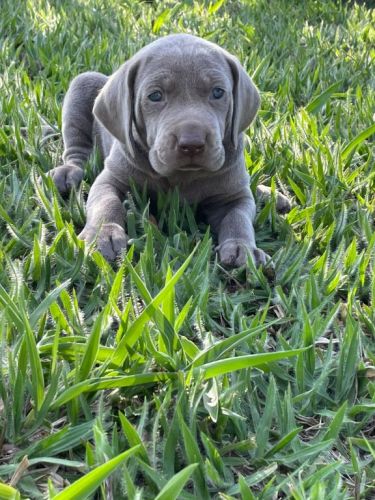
(167, 376)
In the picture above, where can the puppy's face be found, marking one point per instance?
(183, 100)
(183, 108)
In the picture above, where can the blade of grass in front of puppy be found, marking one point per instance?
(348, 360)
(174, 486)
(8, 469)
(37, 378)
(117, 288)
(309, 452)
(244, 489)
(47, 302)
(8, 492)
(353, 144)
(17, 370)
(264, 428)
(283, 442)
(101, 383)
(13, 229)
(87, 484)
(182, 315)
(318, 102)
(142, 289)
(222, 366)
(62, 440)
(168, 340)
(193, 456)
(168, 302)
(133, 437)
(92, 345)
(171, 443)
(11, 310)
(322, 473)
(229, 343)
(258, 477)
(336, 423)
(135, 330)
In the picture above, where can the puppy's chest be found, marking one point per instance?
(193, 191)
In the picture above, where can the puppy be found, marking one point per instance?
(172, 115)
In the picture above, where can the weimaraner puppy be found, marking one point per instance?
(172, 115)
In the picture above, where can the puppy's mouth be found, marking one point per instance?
(167, 162)
(191, 168)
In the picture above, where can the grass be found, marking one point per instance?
(167, 376)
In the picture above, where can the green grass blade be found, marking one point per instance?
(65, 439)
(8, 492)
(193, 456)
(135, 330)
(133, 437)
(228, 365)
(168, 302)
(87, 484)
(255, 478)
(92, 346)
(244, 490)
(318, 102)
(336, 423)
(353, 144)
(182, 315)
(265, 423)
(322, 473)
(11, 308)
(35, 364)
(284, 441)
(174, 486)
(98, 384)
(308, 452)
(46, 303)
(10, 468)
(223, 346)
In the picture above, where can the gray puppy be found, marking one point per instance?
(172, 115)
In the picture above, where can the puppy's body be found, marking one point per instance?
(173, 115)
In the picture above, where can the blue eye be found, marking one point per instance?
(156, 96)
(217, 93)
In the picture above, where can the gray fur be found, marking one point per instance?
(189, 140)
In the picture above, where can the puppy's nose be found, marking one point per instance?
(190, 144)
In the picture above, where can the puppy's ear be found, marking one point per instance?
(114, 106)
(246, 99)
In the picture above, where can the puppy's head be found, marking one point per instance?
(183, 99)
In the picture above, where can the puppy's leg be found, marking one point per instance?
(233, 223)
(77, 129)
(105, 216)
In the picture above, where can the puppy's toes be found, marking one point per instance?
(234, 253)
(111, 239)
(283, 203)
(66, 177)
(260, 257)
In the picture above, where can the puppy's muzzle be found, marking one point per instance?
(191, 144)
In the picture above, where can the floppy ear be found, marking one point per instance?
(246, 99)
(114, 106)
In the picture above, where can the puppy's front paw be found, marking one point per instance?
(66, 177)
(233, 253)
(110, 238)
(283, 203)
